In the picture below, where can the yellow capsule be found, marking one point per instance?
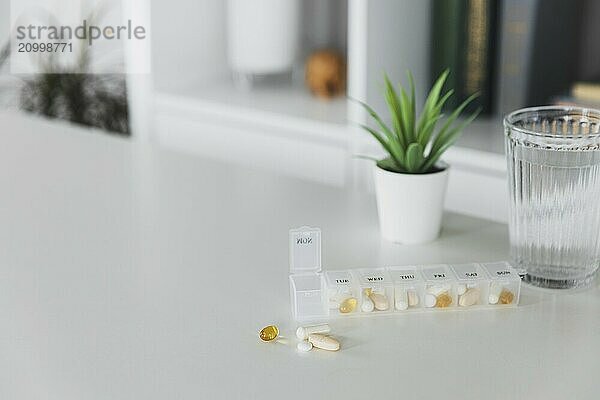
(348, 305)
(269, 333)
(443, 300)
(506, 297)
(367, 292)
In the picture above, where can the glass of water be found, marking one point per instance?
(553, 156)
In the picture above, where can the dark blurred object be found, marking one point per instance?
(464, 34)
(94, 100)
(546, 47)
(97, 100)
(326, 73)
(554, 55)
(516, 41)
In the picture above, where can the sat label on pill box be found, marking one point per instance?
(468, 272)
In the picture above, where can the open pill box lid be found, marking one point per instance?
(305, 250)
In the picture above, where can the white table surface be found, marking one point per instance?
(137, 273)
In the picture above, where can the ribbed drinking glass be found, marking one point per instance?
(553, 156)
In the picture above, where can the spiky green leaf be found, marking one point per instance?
(414, 157)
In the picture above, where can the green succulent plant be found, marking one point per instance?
(413, 144)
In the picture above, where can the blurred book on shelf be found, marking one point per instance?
(515, 53)
(463, 37)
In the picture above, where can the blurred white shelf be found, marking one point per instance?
(284, 106)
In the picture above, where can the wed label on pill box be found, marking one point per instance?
(468, 272)
(305, 250)
(436, 273)
(373, 276)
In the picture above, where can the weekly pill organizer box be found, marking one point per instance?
(317, 295)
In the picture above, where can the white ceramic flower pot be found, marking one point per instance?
(410, 206)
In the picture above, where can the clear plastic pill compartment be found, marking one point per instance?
(342, 293)
(376, 290)
(504, 286)
(472, 284)
(440, 287)
(408, 288)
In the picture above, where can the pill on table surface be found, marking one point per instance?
(443, 300)
(461, 289)
(506, 297)
(367, 304)
(269, 333)
(380, 302)
(469, 298)
(430, 300)
(303, 331)
(304, 346)
(324, 342)
(413, 298)
(348, 305)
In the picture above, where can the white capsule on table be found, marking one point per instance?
(323, 342)
(304, 346)
(303, 331)
(413, 298)
(367, 305)
(461, 289)
(469, 298)
(430, 300)
(495, 290)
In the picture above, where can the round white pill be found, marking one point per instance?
(430, 300)
(367, 305)
(493, 299)
(304, 346)
(461, 289)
